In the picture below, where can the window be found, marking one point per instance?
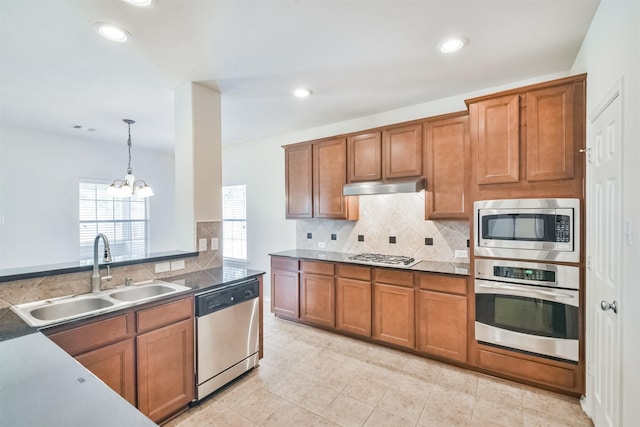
(234, 222)
(123, 221)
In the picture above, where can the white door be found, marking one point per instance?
(604, 231)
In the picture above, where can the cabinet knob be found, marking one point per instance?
(585, 150)
(605, 306)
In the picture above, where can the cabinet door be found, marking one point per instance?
(285, 293)
(115, 366)
(364, 153)
(317, 299)
(353, 306)
(447, 144)
(551, 141)
(394, 314)
(329, 177)
(165, 370)
(498, 139)
(402, 152)
(442, 324)
(298, 182)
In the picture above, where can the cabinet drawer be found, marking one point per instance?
(290, 264)
(394, 277)
(165, 314)
(556, 376)
(354, 272)
(325, 268)
(94, 335)
(450, 285)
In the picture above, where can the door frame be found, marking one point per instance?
(591, 306)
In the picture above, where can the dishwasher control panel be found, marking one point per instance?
(215, 300)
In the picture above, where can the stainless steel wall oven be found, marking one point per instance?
(531, 307)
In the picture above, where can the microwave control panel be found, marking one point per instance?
(563, 229)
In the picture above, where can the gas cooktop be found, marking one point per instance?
(384, 260)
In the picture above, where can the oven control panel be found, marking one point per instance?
(524, 274)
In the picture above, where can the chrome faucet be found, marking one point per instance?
(96, 280)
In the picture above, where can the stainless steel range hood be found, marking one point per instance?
(390, 186)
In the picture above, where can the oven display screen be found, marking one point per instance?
(525, 274)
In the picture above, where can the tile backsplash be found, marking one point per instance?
(381, 218)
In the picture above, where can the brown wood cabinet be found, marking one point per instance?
(329, 177)
(447, 164)
(441, 320)
(402, 151)
(353, 299)
(115, 365)
(364, 155)
(317, 293)
(285, 287)
(298, 181)
(393, 307)
(526, 142)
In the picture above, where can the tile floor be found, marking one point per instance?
(311, 377)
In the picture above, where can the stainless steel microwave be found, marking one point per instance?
(533, 229)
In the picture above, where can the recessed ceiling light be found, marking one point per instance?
(302, 92)
(141, 3)
(111, 32)
(452, 45)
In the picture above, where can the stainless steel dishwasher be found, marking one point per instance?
(227, 335)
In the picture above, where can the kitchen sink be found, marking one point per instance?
(56, 310)
(141, 292)
(61, 310)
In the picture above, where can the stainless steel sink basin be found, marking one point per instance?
(62, 310)
(56, 310)
(142, 292)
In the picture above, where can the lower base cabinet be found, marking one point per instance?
(353, 306)
(442, 324)
(165, 369)
(115, 365)
(393, 319)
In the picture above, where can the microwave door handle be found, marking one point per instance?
(536, 291)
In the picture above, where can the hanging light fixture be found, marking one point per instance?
(129, 187)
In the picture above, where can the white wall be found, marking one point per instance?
(260, 165)
(611, 51)
(39, 175)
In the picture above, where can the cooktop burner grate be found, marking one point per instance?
(381, 259)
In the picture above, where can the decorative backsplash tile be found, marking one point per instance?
(382, 217)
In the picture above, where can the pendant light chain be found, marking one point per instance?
(129, 171)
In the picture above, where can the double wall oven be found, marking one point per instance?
(524, 300)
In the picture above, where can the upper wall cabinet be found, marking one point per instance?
(528, 140)
(402, 151)
(298, 181)
(315, 174)
(447, 164)
(365, 157)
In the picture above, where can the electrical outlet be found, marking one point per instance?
(202, 245)
(163, 267)
(461, 254)
(322, 245)
(177, 265)
(214, 243)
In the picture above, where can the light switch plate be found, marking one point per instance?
(461, 254)
(177, 265)
(214, 243)
(202, 245)
(162, 267)
(322, 245)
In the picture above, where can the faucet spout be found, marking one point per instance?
(96, 280)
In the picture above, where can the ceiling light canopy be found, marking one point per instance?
(451, 45)
(141, 3)
(302, 92)
(129, 187)
(112, 32)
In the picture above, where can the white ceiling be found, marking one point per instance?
(359, 57)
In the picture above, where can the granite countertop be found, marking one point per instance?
(40, 384)
(459, 269)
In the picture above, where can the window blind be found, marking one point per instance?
(234, 221)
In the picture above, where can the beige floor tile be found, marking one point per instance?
(533, 418)
(554, 404)
(486, 412)
(422, 368)
(462, 379)
(347, 411)
(258, 405)
(289, 415)
(447, 406)
(366, 389)
(323, 422)
(405, 405)
(315, 398)
(497, 390)
(230, 418)
(381, 418)
(200, 415)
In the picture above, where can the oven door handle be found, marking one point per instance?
(528, 290)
